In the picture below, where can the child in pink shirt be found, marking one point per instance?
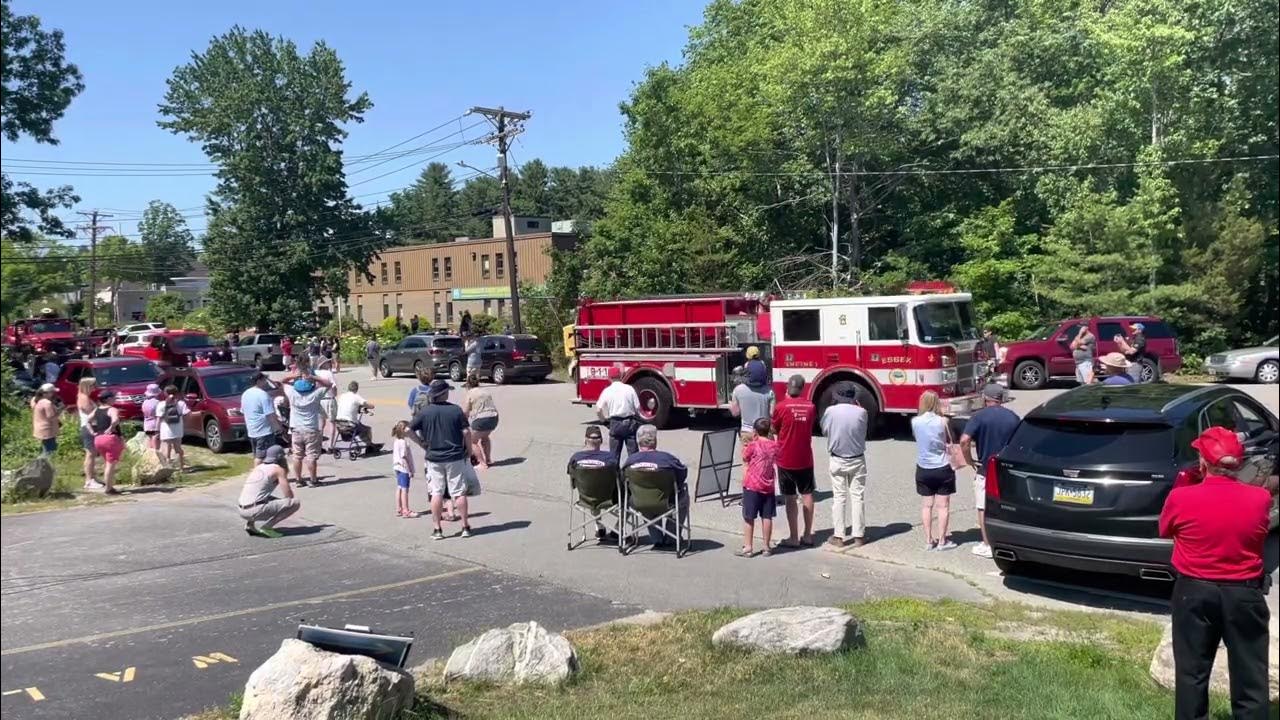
(151, 423)
(758, 498)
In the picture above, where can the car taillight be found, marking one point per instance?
(517, 355)
(948, 357)
(993, 478)
(1187, 476)
(436, 351)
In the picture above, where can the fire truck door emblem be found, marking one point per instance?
(844, 319)
(898, 376)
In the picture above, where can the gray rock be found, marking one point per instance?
(1162, 669)
(303, 682)
(151, 469)
(518, 654)
(793, 630)
(33, 480)
(136, 444)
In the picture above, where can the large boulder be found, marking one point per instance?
(793, 630)
(33, 480)
(136, 444)
(1162, 669)
(151, 469)
(303, 682)
(515, 655)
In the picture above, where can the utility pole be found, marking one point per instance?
(93, 229)
(508, 126)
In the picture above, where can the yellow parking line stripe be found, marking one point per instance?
(236, 613)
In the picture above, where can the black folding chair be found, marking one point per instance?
(593, 495)
(652, 498)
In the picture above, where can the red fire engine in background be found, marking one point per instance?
(681, 351)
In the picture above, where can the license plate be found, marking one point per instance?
(1073, 494)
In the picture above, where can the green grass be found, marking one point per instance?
(923, 660)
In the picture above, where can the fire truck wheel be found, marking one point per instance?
(866, 399)
(655, 401)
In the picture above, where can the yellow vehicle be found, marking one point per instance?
(570, 343)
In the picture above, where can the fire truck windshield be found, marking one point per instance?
(939, 322)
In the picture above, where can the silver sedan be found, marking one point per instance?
(1261, 364)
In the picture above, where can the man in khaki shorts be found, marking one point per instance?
(305, 398)
(443, 430)
(258, 502)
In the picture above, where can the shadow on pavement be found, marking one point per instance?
(502, 527)
(344, 480)
(876, 533)
(290, 530)
(507, 461)
(971, 535)
(1105, 592)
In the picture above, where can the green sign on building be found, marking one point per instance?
(482, 293)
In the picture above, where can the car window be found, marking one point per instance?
(801, 325)
(1069, 333)
(882, 323)
(1219, 413)
(74, 373)
(268, 339)
(413, 342)
(1086, 443)
(1250, 418)
(530, 345)
(126, 374)
(1158, 330)
(1108, 330)
(183, 342)
(449, 343)
(229, 384)
(130, 339)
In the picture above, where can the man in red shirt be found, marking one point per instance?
(1218, 528)
(793, 420)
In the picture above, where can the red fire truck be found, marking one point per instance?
(681, 351)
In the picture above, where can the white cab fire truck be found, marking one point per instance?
(680, 352)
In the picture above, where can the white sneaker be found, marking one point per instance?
(93, 485)
(982, 550)
(948, 545)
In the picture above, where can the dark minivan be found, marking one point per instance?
(1082, 482)
(504, 358)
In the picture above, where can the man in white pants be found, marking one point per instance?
(845, 425)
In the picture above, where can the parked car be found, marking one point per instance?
(213, 395)
(1082, 482)
(1030, 363)
(138, 328)
(260, 350)
(420, 351)
(1260, 364)
(174, 347)
(134, 340)
(127, 376)
(506, 357)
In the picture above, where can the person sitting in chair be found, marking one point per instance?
(350, 405)
(650, 457)
(591, 456)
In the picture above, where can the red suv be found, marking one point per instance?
(174, 347)
(1047, 353)
(127, 376)
(213, 394)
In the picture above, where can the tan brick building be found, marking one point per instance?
(437, 281)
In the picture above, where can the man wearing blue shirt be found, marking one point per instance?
(592, 456)
(260, 419)
(990, 429)
(651, 458)
(1116, 367)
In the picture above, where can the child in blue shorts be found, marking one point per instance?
(758, 499)
(402, 463)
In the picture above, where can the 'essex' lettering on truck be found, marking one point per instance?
(680, 351)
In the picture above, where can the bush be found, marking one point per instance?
(389, 332)
(349, 326)
(482, 324)
(168, 308)
(200, 319)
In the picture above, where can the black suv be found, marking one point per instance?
(1083, 480)
(419, 352)
(504, 358)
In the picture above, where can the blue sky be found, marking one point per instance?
(569, 61)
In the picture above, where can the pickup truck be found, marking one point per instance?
(261, 350)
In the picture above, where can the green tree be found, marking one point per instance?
(38, 85)
(168, 308)
(30, 274)
(282, 232)
(120, 262)
(167, 243)
(427, 211)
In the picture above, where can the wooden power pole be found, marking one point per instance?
(93, 228)
(508, 125)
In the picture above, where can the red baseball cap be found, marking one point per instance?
(615, 372)
(1220, 446)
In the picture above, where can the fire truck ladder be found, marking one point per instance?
(713, 337)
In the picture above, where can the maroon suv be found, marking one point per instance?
(1030, 363)
(213, 394)
(127, 376)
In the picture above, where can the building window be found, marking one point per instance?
(359, 278)
(487, 307)
(484, 267)
(386, 307)
(384, 273)
(448, 268)
(499, 261)
(448, 311)
(397, 268)
(435, 269)
(502, 307)
(436, 314)
(532, 224)
(399, 307)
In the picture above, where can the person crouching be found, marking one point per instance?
(258, 502)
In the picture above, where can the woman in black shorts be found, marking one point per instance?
(935, 479)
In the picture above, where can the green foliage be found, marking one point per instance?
(390, 331)
(282, 232)
(166, 243)
(201, 319)
(38, 86)
(168, 308)
(484, 324)
(735, 156)
(348, 326)
(29, 275)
